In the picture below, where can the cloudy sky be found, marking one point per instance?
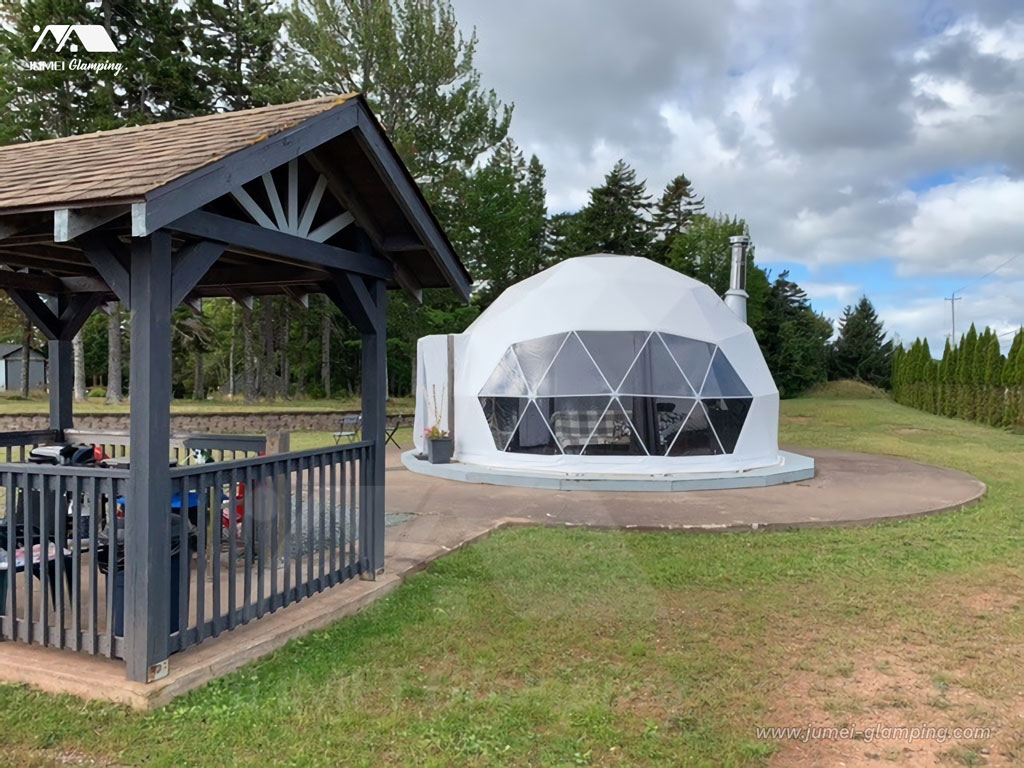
(873, 146)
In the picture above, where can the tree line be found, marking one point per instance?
(973, 380)
(417, 71)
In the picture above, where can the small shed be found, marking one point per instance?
(10, 371)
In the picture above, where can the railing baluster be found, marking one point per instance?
(248, 542)
(12, 622)
(60, 526)
(355, 462)
(76, 564)
(202, 483)
(322, 506)
(332, 578)
(311, 529)
(113, 566)
(274, 519)
(289, 521)
(44, 558)
(298, 543)
(216, 530)
(232, 508)
(94, 579)
(26, 512)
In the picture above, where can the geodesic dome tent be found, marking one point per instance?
(604, 364)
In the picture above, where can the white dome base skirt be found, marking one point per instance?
(789, 468)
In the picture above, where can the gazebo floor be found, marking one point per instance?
(430, 517)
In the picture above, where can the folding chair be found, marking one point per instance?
(390, 427)
(351, 425)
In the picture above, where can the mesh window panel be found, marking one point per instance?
(507, 380)
(572, 419)
(572, 373)
(693, 356)
(722, 379)
(533, 435)
(613, 351)
(614, 435)
(696, 438)
(502, 414)
(727, 416)
(657, 420)
(536, 355)
(655, 373)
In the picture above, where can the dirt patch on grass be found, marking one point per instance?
(881, 700)
(910, 431)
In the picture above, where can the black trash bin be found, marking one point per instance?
(179, 559)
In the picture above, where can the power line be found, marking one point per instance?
(987, 274)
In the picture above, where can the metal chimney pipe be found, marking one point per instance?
(736, 297)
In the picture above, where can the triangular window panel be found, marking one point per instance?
(535, 356)
(613, 351)
(657, 420)
(572, 419)
(696, 438)
(502, 414)
(572, 373)
(722, 379)
(727, 416)
(654, 372)
(533, 434)
(614, 435)
(691, 355)
(507, 380)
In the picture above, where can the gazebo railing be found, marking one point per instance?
(248, 537)
(61, 542)
(15, 446)
(266, 532)
(116, 443)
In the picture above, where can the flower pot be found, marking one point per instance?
(439, 450)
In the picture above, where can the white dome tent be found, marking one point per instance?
(609, 370)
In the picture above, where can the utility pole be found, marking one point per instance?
(953, 299)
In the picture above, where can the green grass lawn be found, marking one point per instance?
(14, 405)
(569, 647)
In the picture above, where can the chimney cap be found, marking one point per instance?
(734, 239)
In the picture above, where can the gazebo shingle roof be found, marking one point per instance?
(126, 163)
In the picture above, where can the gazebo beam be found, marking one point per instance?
(109, 258)
(211, 226)
(69, 223)
(191, 263)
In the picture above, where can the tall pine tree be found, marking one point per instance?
(861, 351)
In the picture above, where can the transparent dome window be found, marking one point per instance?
(615, 393)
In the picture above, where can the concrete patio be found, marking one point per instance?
(429, 517)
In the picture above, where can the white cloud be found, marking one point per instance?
(965, 227)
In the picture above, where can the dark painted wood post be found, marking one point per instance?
(62, 376)
(147, 517)
(374, 388)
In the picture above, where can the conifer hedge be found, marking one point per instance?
(973, 380)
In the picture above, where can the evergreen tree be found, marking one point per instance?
(614, 221)
(795, 339)
(965, 374)
(240, 59)
(861, 351)
(1013, 382)
(992, 389)
(505, 204)
(673, 213)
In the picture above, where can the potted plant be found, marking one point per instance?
(440, 445)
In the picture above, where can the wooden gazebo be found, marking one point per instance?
(294, 199)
